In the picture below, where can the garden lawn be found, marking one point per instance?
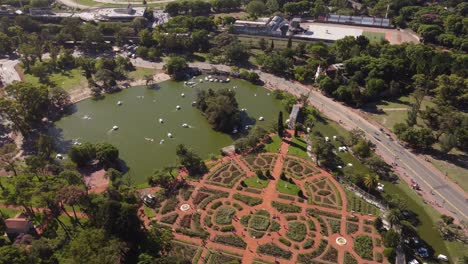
(298, 148)
(139, 73)
(67, 80)
(374, 37)
(9, 212)
(256, 182)
(274, 145)
(291, 189)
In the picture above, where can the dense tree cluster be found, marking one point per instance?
(220, 108)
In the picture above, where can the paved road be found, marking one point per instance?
(410, 166)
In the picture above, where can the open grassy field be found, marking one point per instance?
(374, 36)
(255, 182)
(67, 79)
(274, 145)
(388, 113)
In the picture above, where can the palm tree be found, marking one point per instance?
(393, 216)
(371, 181)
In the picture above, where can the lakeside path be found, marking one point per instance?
(437, 189)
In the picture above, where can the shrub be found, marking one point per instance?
(170, 219)
(335, 225)
(275, 226)
(237, 206)
(227, 228)
(363, 246)
(286, 197)
(249, 200)
(349, 259)
(378, 257)
(185, 193)
(296, 231)
(351, 228)
(245, 220)
(284, 241)
(170, 205)
(291, 217)
(231, 240)
(331, 255)
(260, 223)
(223, 215)
(311, 225)
(274, 250)
(216, 205)
(308, 243)
(286, 208)
(186, 220)
(306, 258)
(207, 221)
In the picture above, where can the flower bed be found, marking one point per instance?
(274, 250)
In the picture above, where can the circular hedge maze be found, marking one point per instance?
(298, 168)
(226, 175)
(262, 161)
(323, 192)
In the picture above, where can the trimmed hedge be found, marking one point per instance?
(284, 241)
(297, 231)
(231, 240)
(274, 250)
(249, 200)
(169, 219)
(286, 208)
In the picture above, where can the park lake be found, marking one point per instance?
(139, 131)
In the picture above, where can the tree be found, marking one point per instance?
(82, 154)
(280, 124)
(31, 101)
(255, 8)
(190, 160)
(220, 108)
(59, 98)
(371, 181)
(106, 77)
(391, 238)
(45, 146)
(13, 254)
(393, 216)
(94, 246)
(362, 148)
(8, 158)
(106, 153)
(272, 6)
(149, 79)
(323, 151)
(6, 44)
(452, 90)
(176, 67)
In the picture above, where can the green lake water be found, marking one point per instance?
(137, 119)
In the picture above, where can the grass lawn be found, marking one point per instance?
(274, 145)
(457, 174)
(298, 148)
(388, 113)
(291, 189)
(139, 73)
(149, 212)
(66, 79)
(374, 36)
(278, 43)
(256, 182)
(9, 212)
